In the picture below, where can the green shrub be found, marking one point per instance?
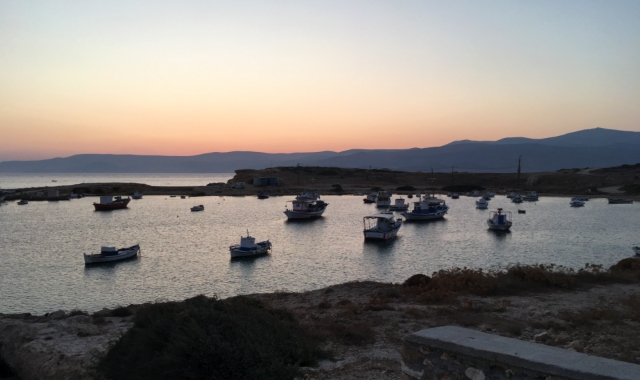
(207, 338)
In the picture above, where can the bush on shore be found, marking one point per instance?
(207, 338)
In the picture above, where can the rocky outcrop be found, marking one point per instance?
(59, 345)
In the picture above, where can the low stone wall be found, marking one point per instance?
(451, 352)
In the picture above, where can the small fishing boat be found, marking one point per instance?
(486, 197)
(383, 199)
(399, 205)
(197, 208)
(136, 195)
(482, 203)
(428, 208)
(490, 194)
(249, 247)
(499, 220)
(455, 196)
(636, 249)
(183, 197)
(263, 195)
(531, 196)
(109, 254)
(308, 195)
(522, 211)
(410, 196)
(511, 195)
(172, 196)
(579, 198)
(516, 198)
(23, 202)
(576, 203)
(381, 226)
(371, 198)
(619, 201)
(306, 209)
(108, 203)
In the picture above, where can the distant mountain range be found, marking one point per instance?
(587, 148)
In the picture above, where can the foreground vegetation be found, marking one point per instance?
(207, 338)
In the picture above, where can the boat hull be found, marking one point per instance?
(409, 216)
(304, 214)
(117, 205)
(126, 254)
(262, 248)
(377, 235)
(499, 227)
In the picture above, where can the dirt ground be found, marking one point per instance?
(364, 323)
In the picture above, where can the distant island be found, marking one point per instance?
(593, 148)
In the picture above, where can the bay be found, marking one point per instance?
(186, 253)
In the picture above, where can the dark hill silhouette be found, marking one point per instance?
(588, 148)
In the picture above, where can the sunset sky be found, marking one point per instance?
(190, 77)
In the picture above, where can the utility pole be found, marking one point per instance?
(519, 158)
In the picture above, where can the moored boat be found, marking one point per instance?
(371, 198)
(427, 209)
(482, 203)
(576, 203)
(108, 203)
(636, 249)
(499, 220)
(383, 199)
(249, 247)
(308, 195)
(263, 195)
(136, 195)
(455, 196)
(530, 196)
(23, 202)
(399, 205)
(516, 198)
(109, 254)
(619, 201)
(381, 226)
(197, 208)
(305, 209)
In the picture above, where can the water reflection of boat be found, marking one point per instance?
(110, 254)
(381, 226)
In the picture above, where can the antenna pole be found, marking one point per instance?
(519, 158)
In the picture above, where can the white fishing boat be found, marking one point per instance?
(136, 195)
(249, 247)
(308, 195)
(486, 197)
(427, 209)
(197, 208)
(482, 203)
(381, 226)
(109, 254)
(399, 205)
(499, 220)
(636, 249)
(576, 203)
(531, 196)
(383, 199)
(516, 198)
(305, 209)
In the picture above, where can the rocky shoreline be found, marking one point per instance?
(363, 323)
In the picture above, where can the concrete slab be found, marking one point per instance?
(532, 356)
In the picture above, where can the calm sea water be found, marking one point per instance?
(185, 253)
(16, 181)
